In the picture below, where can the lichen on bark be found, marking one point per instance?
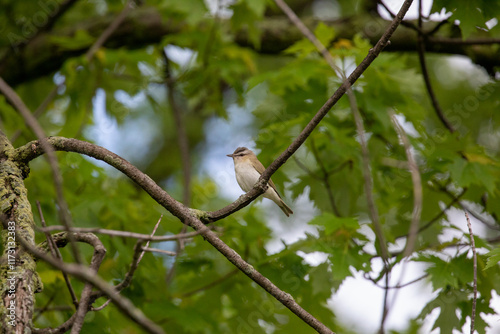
(18, 276)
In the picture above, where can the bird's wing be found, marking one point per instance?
(260, 168)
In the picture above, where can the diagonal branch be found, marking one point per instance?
(425, 74)
(109, 30)
(54, 250)
(31, 121)
(417, 188)
(183, 142)
(34, 149)
(474, 259)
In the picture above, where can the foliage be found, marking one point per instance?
(281, 93)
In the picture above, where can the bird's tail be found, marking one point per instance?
(285, 208)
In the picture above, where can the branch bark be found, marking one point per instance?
(20, 280)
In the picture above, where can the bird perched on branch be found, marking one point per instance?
(248, 170)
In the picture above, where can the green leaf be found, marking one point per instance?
(493, 258)
(324, 34)
(332, 223)
(80, 40)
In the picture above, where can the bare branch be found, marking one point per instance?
(211, 284)
(34, 149)
(157, 250)
(460, 41)
(417, 188)
(136, 259)
(97, 257)
(75, 322)
(41, 108)
(425, 74)
(474, 259)
(325, 179)
(124, 234)
(109, 30)
(183, 142)
(139, 252)
(54, 250)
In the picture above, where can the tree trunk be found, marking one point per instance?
(18, 277)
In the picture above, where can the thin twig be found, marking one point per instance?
(211, 284)
(493, 225)
(325, 179)
(54, 250)
(417, 188)
(183, 142)
(138, 254)
(404, 23)
(147, 242)
(439, 215)
(415, 219)
(109, 30)
(85, 297)
(123, 234)
(75, 322)
(157, 250)
(385, 306)
(41, 108)
(425, 74)
(460, 41)
(398, 285)
(474, 259)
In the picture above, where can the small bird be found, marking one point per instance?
(248, 170)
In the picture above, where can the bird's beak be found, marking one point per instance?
(229, 155)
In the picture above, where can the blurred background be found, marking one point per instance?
(174, 86)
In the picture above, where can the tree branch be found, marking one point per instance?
(110, 29)
(417, 188)
(425, 74)
(183, 142)
(124, 234)
(54, 250)
(474, 259)
(33, 149)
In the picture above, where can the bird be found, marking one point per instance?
(248, 170)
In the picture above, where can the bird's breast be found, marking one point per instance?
(246, 175)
